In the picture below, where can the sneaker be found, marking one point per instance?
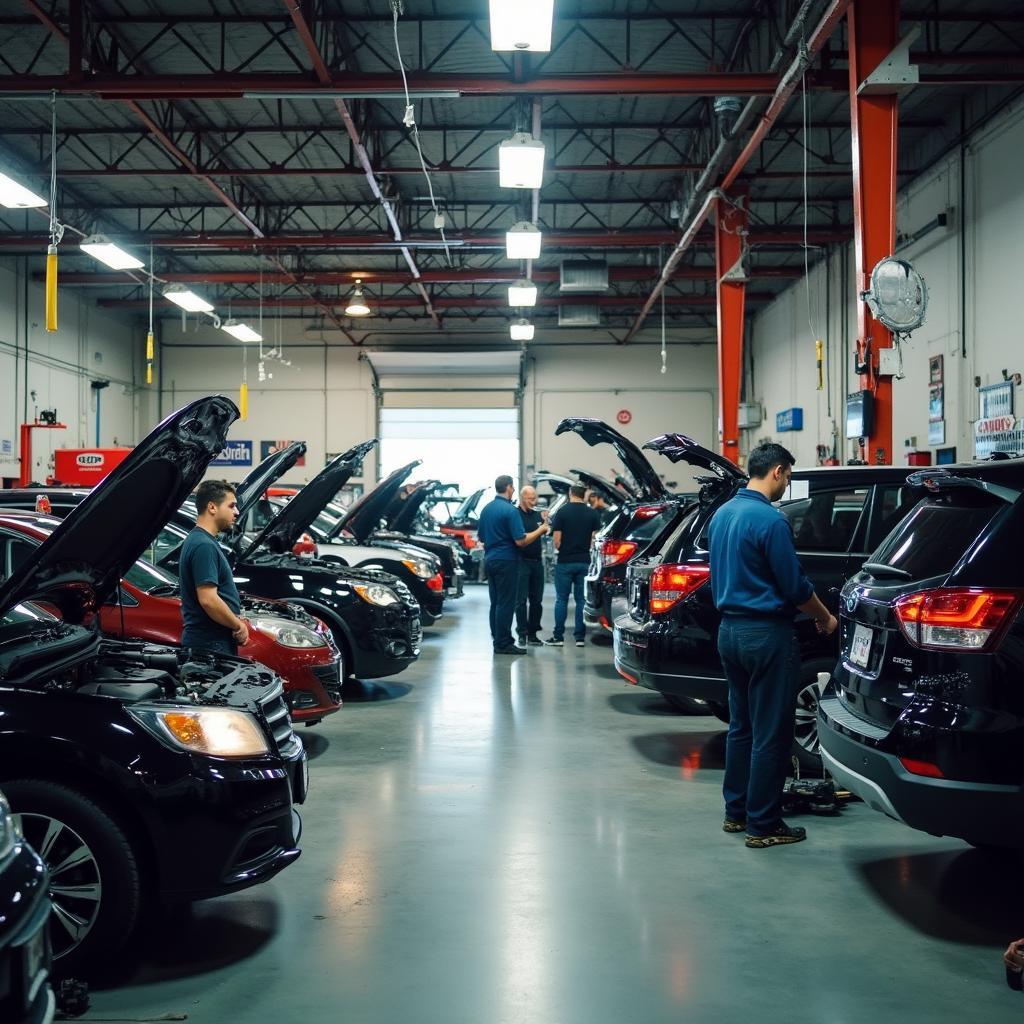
(781, 835)
(534, 641)
(510, 650)
(734, 826)
(520, 640)
(554, 641)
(581, 643)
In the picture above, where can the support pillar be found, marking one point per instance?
(730, 233)
(873, 31)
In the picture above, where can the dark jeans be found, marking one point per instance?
(211, 646)
(531, 591)
(762, 663)
(502, 585)
(569, 576)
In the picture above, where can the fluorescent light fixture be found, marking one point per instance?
(521, 162)
(243, 332)
(103, 249)
(521, 330)
(17, 197)
(522, 25)
(357, 304)
(187, 299)
(350, 94)
(522, 241)
(522, 293)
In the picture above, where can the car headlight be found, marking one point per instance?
(10, 833)
(216, 732)
(422, 569)
(289, 634)
(375, 593)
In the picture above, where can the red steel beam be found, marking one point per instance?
(731, 219)
(872, 37)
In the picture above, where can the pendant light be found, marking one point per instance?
(522, 293)
(522, 241)
(521, 330)
(357, 304)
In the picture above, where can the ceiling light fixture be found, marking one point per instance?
(103, 249)
(522, 241)
(522, 25)
(16, 197)
(357, 304)
(521, 162)
(187, 299)
(243, 332)
(522, 293)
(521, 330)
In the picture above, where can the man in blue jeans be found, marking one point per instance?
(758, 586)
(574, 526)
(502, 534)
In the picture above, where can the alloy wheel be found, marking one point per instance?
(805, 730)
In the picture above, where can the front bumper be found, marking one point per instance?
(25, 993)
(313, 691)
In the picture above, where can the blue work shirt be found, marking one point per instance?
(499, 528)
(754, 568)
(202, 563)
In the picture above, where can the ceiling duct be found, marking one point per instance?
(584, 276)
(579, 315)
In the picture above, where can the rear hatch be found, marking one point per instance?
(649, 486)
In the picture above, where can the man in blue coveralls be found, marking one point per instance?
(759, 586)
(502, 534)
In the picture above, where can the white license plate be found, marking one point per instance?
(860, 649)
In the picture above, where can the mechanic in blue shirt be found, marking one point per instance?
(502, 534)
(759, 586)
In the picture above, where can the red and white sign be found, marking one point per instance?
(89, 460)
(994, 425)
(624, 416)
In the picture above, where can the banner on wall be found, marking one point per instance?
(236, 453)
(268, 448)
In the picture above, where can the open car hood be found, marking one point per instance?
(680, 448)
(79, 565)
(612, 494)
(405, 517)
(558, 483)
(594, 432)
(468, 507)
(272, 468)
(281, 533)
(365, 515)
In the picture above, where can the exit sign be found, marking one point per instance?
(789, 419)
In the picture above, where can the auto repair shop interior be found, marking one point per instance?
(361, 258)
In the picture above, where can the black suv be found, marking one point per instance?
(667, 638)
(138, 774)
(926, 718)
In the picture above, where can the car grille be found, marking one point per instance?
(415, 632)
(330, 676)
(275, 711)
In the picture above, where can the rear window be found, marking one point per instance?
(647, 528)
(935, 536)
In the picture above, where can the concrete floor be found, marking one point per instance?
(533, 841)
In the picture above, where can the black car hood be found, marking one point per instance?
(607, 490)
(281, 533)
(596, 432)
(680, 448)
(272, 468)
(365, 515)
(79, 565)
(404, 519)
(467, 508)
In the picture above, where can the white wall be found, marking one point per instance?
(91, 344)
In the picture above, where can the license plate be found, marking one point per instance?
(860, 649)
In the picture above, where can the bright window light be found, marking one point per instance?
(521, 162)
(243, 332)
(522, 293)
(187, 299)
(522, 241)
(521, 330)
(101, 248)
(17, 197)
(522, 25)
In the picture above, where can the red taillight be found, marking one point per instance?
(436, 583)
(615, 552)
(959, 619)
(915, 767)
(647, 511)
(670, 584)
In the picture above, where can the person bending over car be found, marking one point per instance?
(209, 598)
(758, 585)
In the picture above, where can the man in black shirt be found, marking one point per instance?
(530, 593)
(574, 526)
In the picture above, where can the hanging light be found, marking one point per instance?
(357, 304)
(521, 330)
(522, 241)
(103, 249)
(16, 197)
(522, 293)
(187, 299)
(521, 162)
(522, 25)
(243, 332)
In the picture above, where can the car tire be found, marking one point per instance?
(720, 711)
(64, 826)
(805, 726)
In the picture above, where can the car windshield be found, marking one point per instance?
(22, 613)
(150, 579)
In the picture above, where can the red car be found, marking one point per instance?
(284, 637)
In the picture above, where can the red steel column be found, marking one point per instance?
(730, 229)
(873, 33)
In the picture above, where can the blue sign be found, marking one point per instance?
(237, 453)
(789, 419)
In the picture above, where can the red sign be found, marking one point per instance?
(994, 425)
(624, 416)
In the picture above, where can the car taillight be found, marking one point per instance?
(956, 618)
(927, 768)
(436, 583)
(670, 584)
(615, 552)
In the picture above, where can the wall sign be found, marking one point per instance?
(936, 433)
(624, 416)
(996, 400)
(789, 419)
(268, 448)
(997, 434)
(236, 453)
